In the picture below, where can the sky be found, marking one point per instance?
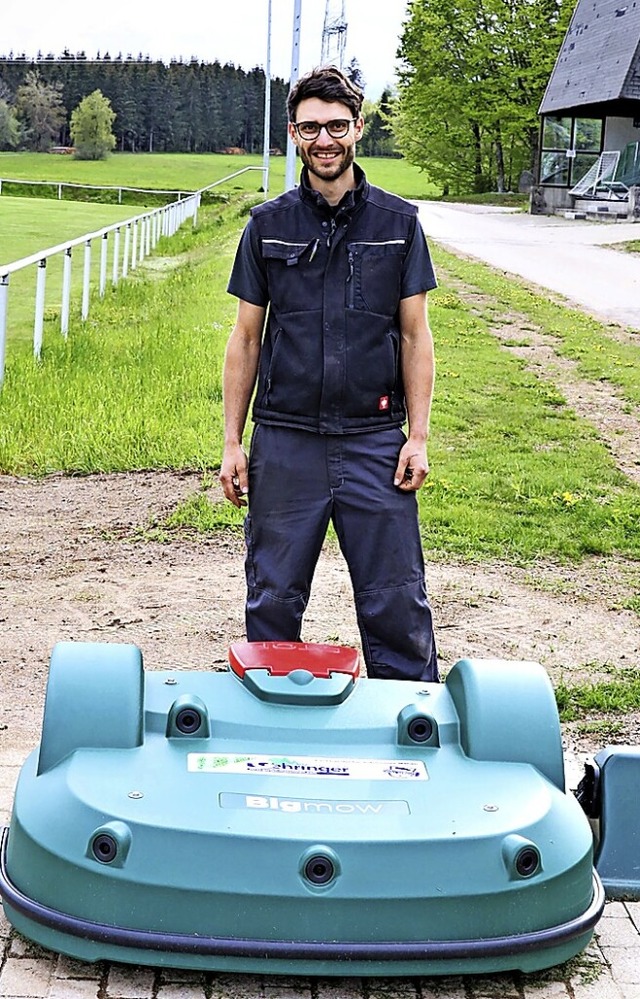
(227, 30)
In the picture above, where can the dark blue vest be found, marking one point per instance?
(330, 359)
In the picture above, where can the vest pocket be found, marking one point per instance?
(375, 273)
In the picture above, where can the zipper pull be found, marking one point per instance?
(350, 258)
(331, 231)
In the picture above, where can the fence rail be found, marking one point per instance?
(130, 242)
(60, 185)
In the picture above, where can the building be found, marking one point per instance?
(590, 115)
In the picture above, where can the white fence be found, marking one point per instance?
(61, 185)
(129, 242)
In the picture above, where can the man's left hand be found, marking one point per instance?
(413, 466)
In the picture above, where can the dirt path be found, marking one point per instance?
(78, 562)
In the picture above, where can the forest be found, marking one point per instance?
(181, 107)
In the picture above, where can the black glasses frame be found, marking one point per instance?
(337, 128)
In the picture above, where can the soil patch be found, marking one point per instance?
(78, 562)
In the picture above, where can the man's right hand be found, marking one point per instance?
(234, 474)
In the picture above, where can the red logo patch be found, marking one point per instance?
(383, 402)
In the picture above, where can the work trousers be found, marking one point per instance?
(299, 482)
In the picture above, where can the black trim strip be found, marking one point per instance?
(299, 950)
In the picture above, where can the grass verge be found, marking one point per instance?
(515, 474)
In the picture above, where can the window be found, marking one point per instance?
(570, 147)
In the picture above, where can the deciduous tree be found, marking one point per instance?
(39, 106)
(91, 125)
(472, 76)
(9, 126)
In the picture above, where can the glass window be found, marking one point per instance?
(588, 134)
(581, 164)
(556, 133)
(570, 146)
(554, 168)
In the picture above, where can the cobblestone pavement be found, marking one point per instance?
(608, 969)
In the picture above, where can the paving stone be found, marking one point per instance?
(236, 987)
(617, 933)
(633, 908)
(625, 966)
(183, 990)
(291, 991)
(339, 988)
(21, 947)
(25, 977)
(545, 990)
(68, 967)
(603, 987)
(175, 976)
(500, 986)
(391, 988)
(630, 991)
(447, 987)
(5, 926)
(67, 988)
(13, 757)
(614, 910)
(129, 982)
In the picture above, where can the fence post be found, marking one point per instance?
(41, 284)
(116, 256)
(66, 292)
(103, 263)
(4, 295)
(125, 255)
(86, 279)
(134, 248)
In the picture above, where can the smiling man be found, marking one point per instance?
(332, 325)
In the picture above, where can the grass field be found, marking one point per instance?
(31, 224)
(181, 171)
(517, 474)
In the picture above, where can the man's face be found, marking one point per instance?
(325, 157)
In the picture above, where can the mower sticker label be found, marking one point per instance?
(308, 766)
(312, 806)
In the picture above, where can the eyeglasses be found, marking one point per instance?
(335, 129)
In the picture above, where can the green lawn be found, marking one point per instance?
(31, 224)
(515, 473)
(181, 171)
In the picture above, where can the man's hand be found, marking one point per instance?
(413, 466)
(234, 474)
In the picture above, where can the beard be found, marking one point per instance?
(329, 171)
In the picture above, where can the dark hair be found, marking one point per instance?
(329, 84)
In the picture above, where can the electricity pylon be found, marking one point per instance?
(334, 34)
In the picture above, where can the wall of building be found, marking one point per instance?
(619, 131)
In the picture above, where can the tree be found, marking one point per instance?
(39, 106)
(91, 124)
(355, 74)
(9, 126)
(378, 139)
(472, 77)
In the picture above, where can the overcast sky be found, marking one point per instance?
(227, 30)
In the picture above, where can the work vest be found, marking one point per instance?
(330, 358)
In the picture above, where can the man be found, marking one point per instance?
(340, 270)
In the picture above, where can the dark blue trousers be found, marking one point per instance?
(298, 483)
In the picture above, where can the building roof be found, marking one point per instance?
(599, 62)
